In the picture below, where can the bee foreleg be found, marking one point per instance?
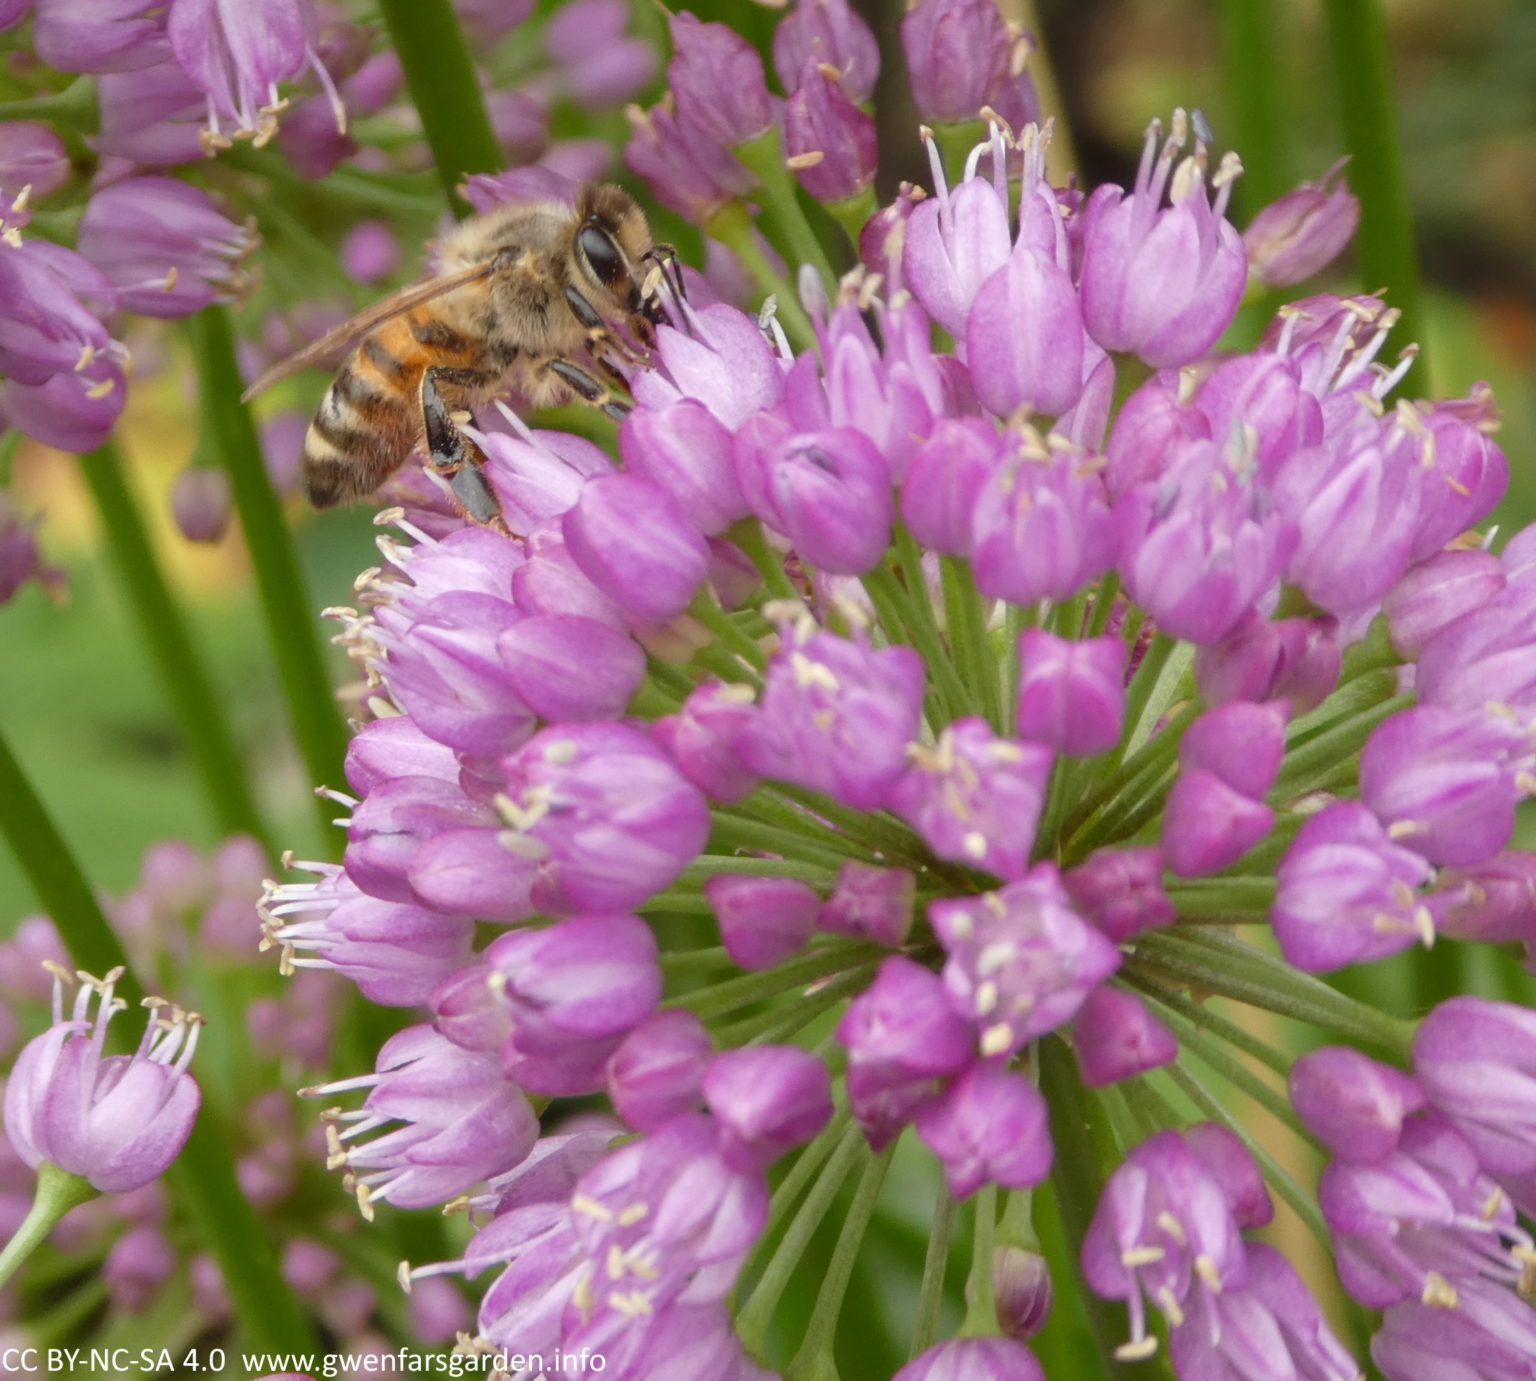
(452, 455)
(587, 388)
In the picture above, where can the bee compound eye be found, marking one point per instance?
(602, 255)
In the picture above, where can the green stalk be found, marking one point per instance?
(57, 1192)
(732, 226)
(1157, 682)
(735, 993)
(1239, 971)
(1199, 1014)
(764, 155)
(906, 610)
(1261, 124)
(185, 679)
(756, 1315)
(930, 1296)
(729, 832)
(285, 602)
(706, 608)
(1326, 755)
(790, 1018)
(981, 1315)
(1235, 900)
(445, 90)
(1083, 1143)
(748, 535)
(963, 610)
(813, 1362)
(706, 866)
(204, 1174)
(1194, 1037)
(61, 888)
(1384, 246)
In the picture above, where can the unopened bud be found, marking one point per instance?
(1021, 1285)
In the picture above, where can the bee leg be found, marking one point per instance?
(587, 388)
(600, 336)
(455, 457)
(665, 258)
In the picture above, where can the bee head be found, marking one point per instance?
(611, 240)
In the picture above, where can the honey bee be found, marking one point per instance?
(532, 296)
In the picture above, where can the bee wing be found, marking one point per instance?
(348, 334)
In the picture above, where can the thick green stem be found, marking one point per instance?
(57, 1192)
(203, 1176)
(764, 155)
(1384, 246)
(286, 604)
(445, 88)
(814, 1359)
(184, 678)
(1255, 91)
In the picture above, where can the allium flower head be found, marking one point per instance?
(908, 730)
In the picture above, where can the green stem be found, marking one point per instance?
(1015, 620)
(901, 610)
(285, 602)
(1384, 246)
(445, 89)
(748, 535)
(790, 1018)
(740, 992)
(1203, 1042)
(1335, 751)
(75, 107)
(57, 1192)
(706, 866)
(964, 613)
(729, 832)
(981, 1313)
(1255, 93)
(930, 1296)
(1239, 971)
(733, 227)
(706, 608)
(1083, 1143)
(184, 678)
(1236, 900)
(755, 1316)
(1157, 682)
(1200, 1015)
(814, 1359)
(61, 888)
(204, 1173)
(764, 155)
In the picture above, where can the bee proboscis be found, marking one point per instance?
(533, 296)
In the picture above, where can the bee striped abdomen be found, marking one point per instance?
(370, 416)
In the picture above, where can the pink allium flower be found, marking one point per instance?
(117, 1121)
